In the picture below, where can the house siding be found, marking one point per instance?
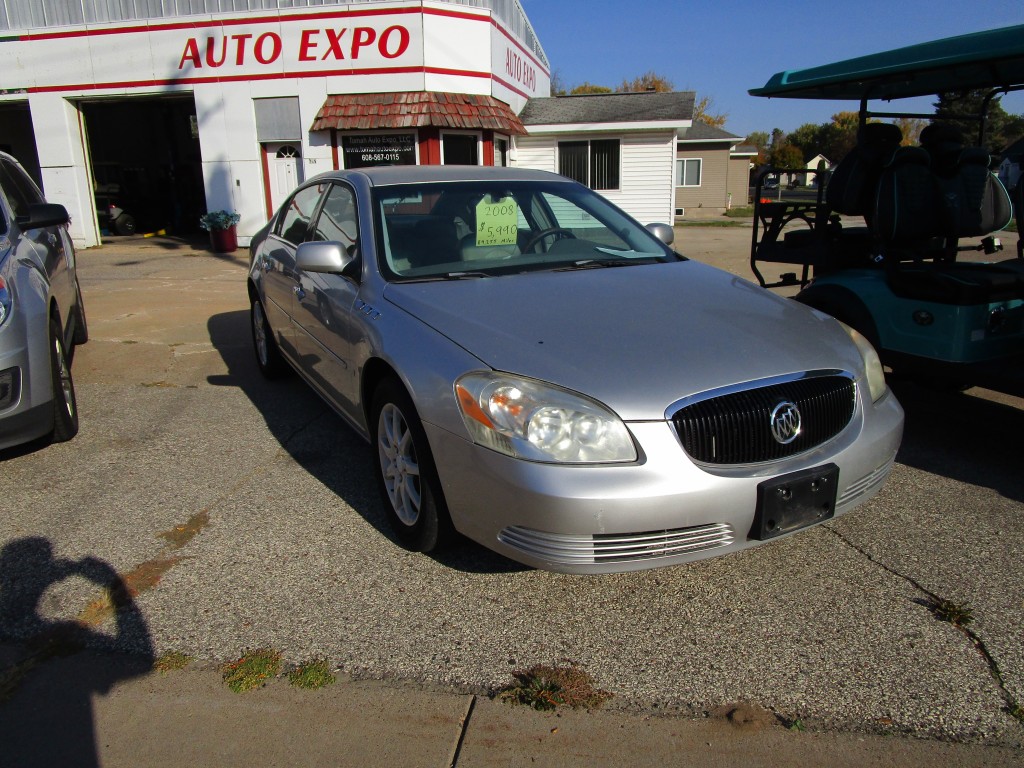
(646, 170)
(739, 181)
(712, 195)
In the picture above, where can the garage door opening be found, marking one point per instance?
(18, 139)
(146, 165)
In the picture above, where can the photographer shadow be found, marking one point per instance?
(51, 670)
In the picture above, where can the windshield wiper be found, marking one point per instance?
(600, 263)
(463, 275)
(446, 276)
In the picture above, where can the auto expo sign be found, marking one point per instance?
(311, 45)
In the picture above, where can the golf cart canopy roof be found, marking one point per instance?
(982, 60)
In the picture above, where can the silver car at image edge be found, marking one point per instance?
(540, 373)
(42, 316)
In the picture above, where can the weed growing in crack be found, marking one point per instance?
(170, 661)
(252, 670)
(547, 687)
(315, 674)
(957, 614)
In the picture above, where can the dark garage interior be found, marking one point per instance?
(17, 138)
(145, 160)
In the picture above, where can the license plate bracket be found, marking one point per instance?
(794, 501)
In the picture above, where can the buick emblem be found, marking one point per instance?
(785, 422)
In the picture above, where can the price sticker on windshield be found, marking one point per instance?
(496, 221)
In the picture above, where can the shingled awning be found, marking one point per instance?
(416, 109)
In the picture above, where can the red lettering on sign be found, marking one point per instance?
(275, 47)
(210, 61)
(191, 54)
(306, 45)
(334, 38)
(519, 70)
(240, 48)
(267, 48)
(403, 42)
(363, 37)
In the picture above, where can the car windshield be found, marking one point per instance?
(480, 229)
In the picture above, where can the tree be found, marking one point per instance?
(648, 81)
(999, 128)
(911, 128)
(786, 155)
(557, 84)
(808, 137)
(702, 113)
(588, 88)
(760, 140)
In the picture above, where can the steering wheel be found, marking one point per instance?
(546, 233)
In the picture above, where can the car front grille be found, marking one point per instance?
(573, 549)
(735, 427)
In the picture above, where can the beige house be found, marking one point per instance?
(712, 171)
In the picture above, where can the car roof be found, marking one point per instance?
(982, 60)
(424, 174)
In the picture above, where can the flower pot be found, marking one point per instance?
(224, 240)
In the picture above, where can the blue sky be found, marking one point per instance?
(721, 49)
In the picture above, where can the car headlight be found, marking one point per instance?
(872, 365)
(6, 301)
(532, 420)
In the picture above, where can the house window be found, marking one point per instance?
(688, 171)
(459, 149)
(594, 163)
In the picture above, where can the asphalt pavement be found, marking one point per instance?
(241, 514)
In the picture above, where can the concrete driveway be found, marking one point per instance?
(242, 514)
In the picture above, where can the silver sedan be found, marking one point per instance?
(42, 316)
(539, 372)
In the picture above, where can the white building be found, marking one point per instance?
(187, 108)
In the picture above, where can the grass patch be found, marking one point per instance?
(252, 670)
(545, 688)
(171, 661)
(742, 212)
(311, 676)
(710, 223)
(957, 614)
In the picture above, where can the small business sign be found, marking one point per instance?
(363, 151)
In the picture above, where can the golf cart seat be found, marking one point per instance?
(926, 201)
(973, 202)
(854, 182)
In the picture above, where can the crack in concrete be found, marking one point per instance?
(1012, 707)
(462, 733)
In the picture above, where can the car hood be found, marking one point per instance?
(636, 338)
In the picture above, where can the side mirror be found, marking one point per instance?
(44, 215)
(663, 232)
(330, 258)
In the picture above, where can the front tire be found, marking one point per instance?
(268, 356)
(65, 404)
(406, 474)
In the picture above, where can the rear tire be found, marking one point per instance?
(125, 225)
(65, 404)
(406, 475)
(268, 356)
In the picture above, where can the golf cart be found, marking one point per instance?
(899, 242)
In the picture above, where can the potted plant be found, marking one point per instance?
(221, 226)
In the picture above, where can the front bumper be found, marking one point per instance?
(662, 510)
(27, 412)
